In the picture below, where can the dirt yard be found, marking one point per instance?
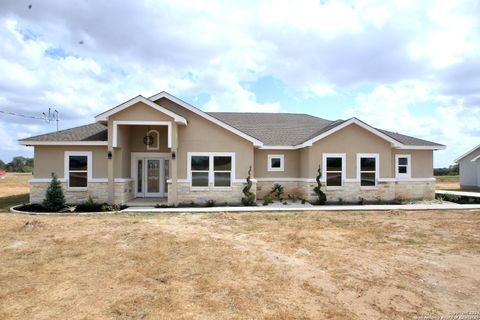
(14, 184)
(447, 183)
(391, 265)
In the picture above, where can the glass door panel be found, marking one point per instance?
(153, 176)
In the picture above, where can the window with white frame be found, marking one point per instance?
(334, 169)
(211, 169)
(78, 169)
(367, 166)
(155, 140)
(275, 162)
(403, 165)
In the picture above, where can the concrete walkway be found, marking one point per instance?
(415, 207)
(472, 194)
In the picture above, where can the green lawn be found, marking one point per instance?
(7, 202)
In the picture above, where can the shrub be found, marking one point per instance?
(249, 199)
(54, 199)
(277, 191)
(210, 203)
(91, 206)
(450, 197)
(322, 198)
(267, 200)
(293, 197)
(304, 201)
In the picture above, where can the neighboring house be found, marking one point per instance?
(469, 166)
(165, 148)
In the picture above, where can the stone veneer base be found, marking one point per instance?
(97, 190)
(233, 195)
(352, 192)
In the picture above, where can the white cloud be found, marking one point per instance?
(75, 57)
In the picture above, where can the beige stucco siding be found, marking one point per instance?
(122, 153)
(139, 132)
(140, 112)
(291, 164)
(50, 159)
(422, 162)
(351, 140)
(202, 135)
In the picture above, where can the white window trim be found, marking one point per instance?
(324, 169)
(377, 169)
(155, 140)
(211, 176)
(407, 175)
(282, 162)
(66, 176)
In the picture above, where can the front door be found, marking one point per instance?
(151, 176)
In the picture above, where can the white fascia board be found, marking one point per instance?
(362, 124)
(63, 143)
(104, 116)
(406, 147)
(163, 94)
(466, 154)
(475, 159)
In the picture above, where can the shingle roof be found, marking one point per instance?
(278, 129)
(89, 132)
(288, 129)
(273, 129)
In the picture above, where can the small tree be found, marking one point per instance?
(54, 199)
(249, 199)
(322, 198)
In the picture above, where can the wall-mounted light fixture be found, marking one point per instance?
(109, 155)
(173, 155)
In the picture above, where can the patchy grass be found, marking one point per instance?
(393, 265)
(447, 183)
(13, 183)
(14, 189)
(7, 202)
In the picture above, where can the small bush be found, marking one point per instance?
(249, 199)
(277, 191)
(304, 201)
(450, 197)
(293, 197)
(54, 199)
(322, 198)
(267, 200)
(210, 203)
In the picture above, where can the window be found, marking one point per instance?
(334, 169)
(367, 166)
(211, 169)
(156, 140)
(222, 170)
(275, 162)
(200, 170)
(78, 166)
(402, 166)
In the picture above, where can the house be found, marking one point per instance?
(469, 166)
(165, 148)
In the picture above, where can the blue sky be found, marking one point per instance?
(406, 66)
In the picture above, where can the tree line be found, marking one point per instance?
(450, 171)
(18, 164)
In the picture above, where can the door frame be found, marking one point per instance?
(162, 156)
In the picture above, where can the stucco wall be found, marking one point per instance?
(351, 140)
(292, 163)
(470, 171)
(50, 159)
(201, 135)
(422, 162)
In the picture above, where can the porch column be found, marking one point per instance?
(174, 167)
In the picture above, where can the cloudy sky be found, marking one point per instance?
(401, 65)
